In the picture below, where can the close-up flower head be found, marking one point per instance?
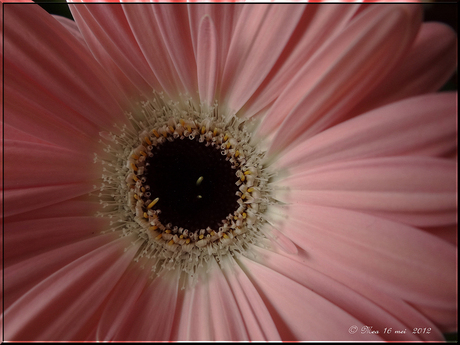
(228, 172)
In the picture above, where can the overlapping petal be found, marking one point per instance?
(419, 191)
(341, 74)
(396, 258)
(67, 107)
(58, 307)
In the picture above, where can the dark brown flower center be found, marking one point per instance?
(195, 184)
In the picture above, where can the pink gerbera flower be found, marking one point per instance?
(228, 172)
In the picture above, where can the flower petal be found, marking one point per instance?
(174, 26)
(419, 191)
(209, 310)
(355, 248)
(261, 28)
(224, 18)
(69, 97)
(154, 49)
(23, 275)
(58, 308)
(378, 311)
(121, 302)
(27, 199)
(318, 24)
(160, 298)
(300, 313)
(422, 125)
(26, 238)
(342, 73)
(257, 319)
(207, 60)
(22, 158)
(426, 67)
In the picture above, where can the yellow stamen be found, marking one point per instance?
(247, 172)
(133, 166)
(250, 189)
(135, 156)
(200, 179)
(153, 227)
(237, 153)
(158, 237)
(171, 242)
(171, 128)
(189, 128)
(243, 196)
(153, 203)
(143, 153)
(215, 132)
(187, 240)
(201, 237)
(147, 140)
(203, 129)
(136, 197)
(244, 215)
(135, 178)
(168, 231)
(155, 133)
(182, 122)
(243, 178)
(225, 235)
(146, 215)
(225, 137)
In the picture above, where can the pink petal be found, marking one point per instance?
(207, 60)
(445, 319)
(260, 29)
(209, 311)
(318, 24)
(109, 37)
(379, 310)
(419, 191)
(425, 68)
(37, 165)
(26, 238)
(153, 47)
(175, 30)
(160, 298)
(58, 308)
(76, 207)
(12, 133)
(224, 18)
(72, 27)
(27, 199)
(358, 249)
(341, 73)
(300, 313)
(417, 126)
(71, 95)
(257, 319)
(121, 302)
(22, 276)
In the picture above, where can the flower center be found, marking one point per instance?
(188, 181)
(194, 184)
